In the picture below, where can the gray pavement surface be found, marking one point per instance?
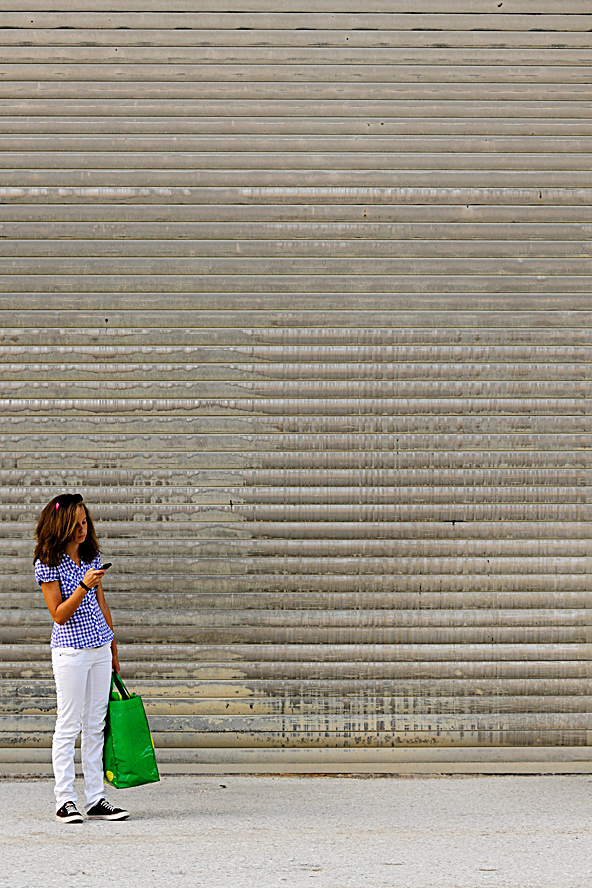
(229, 832)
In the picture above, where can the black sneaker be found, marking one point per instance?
(104, 811)
(69, 814)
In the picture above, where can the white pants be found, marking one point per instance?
(83, 681)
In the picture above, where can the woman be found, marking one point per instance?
(83, 650)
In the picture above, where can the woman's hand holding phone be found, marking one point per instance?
(93, 577)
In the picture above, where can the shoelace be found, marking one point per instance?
(70, 807)
(108, 806)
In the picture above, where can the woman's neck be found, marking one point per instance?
(71, 550)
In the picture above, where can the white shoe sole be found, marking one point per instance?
(123, 816)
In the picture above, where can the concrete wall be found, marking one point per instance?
(300, 302)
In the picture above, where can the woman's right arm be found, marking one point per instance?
(61, 611)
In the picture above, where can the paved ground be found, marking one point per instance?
(263, 832)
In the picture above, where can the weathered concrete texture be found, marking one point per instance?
(228, 832)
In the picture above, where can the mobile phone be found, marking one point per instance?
(106, 566)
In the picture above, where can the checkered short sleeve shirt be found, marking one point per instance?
(87, 627)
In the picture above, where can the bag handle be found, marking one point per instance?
(117, 682)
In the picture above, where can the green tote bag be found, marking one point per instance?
(128, 755)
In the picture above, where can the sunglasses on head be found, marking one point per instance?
(67, 499)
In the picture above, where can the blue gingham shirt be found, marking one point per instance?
(87, 627)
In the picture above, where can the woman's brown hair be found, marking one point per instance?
(55, 530)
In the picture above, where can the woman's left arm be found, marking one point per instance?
(107, 614)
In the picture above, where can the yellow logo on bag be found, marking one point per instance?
(110, 775)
